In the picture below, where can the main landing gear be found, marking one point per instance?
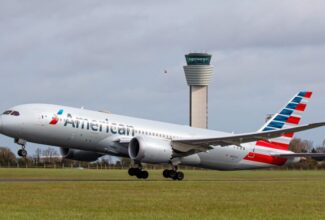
(138, 172)
(21, 152)
(173, 174)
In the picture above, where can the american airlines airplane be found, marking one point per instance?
(86, 135)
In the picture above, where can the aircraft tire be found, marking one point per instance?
(24, 153)
(132, 171)
(138, 174)
(172, 174)
(144, 174)
(166, 173)
(180, 175)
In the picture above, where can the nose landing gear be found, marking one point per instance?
(21, 152)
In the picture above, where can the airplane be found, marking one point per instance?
(86, 135)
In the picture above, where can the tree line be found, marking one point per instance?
(50, 158)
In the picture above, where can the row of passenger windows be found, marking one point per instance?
(154, 134)
(10, 112)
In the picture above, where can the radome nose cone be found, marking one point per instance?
(0, 124)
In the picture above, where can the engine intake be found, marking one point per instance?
(80, 155)
(150, 150)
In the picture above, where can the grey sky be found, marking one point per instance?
(112, 54)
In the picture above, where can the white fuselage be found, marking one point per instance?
(109, 134)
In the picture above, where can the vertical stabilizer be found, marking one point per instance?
(289, 116)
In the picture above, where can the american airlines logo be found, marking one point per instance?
(94, 125)
(55, 118)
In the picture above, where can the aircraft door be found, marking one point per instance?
(41, 119)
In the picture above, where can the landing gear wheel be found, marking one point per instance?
(132, 171)
(138, 174)
(173, 174)
(180, 175)
(144, 174)
(22, 153)
(19, 153)
(166, 173)
(136, 170)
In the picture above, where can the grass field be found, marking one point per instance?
(112, 194)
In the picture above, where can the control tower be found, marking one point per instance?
(198, 73)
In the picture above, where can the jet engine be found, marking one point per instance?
(81, 155)
(150, 150)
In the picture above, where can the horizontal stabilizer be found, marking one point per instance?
(292, 155)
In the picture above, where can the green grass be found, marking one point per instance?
(112, 194)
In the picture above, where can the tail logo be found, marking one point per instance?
(55, 118)
(289, 116)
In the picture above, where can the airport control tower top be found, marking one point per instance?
(198, 70)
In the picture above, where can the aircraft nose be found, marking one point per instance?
(0, 123)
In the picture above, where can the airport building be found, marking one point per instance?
(198, 73)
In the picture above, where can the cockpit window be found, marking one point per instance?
(7, 112)
(15, 113)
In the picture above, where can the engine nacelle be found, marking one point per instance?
(150, 150)
(80, 155)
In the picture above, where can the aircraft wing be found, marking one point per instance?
(204, 144)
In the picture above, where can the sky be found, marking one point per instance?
(111, 55)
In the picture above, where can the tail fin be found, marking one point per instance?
(289, 116)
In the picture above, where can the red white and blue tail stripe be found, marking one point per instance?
(288, 117)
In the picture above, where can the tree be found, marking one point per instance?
(125, 162)
(38, 154)
(321, 149)
(50, 155)
(300, 146)
(7, 157)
